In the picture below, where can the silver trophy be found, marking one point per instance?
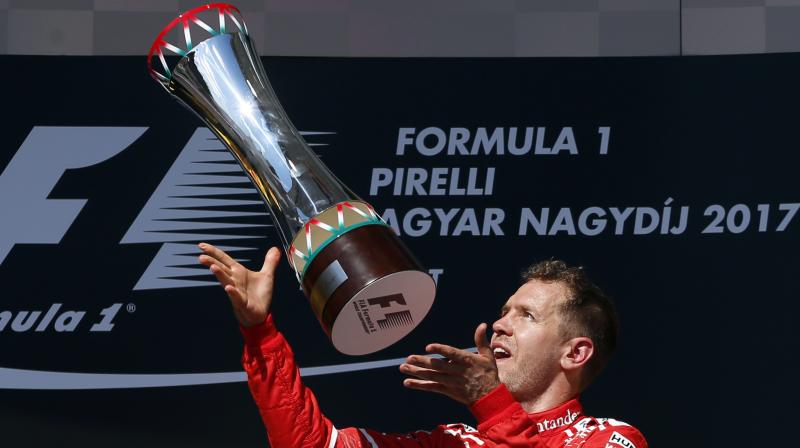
(365, 287)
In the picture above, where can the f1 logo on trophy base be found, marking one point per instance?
(365, 287)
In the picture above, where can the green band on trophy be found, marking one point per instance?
(322, 229)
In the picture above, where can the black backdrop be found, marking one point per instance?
(707, 350)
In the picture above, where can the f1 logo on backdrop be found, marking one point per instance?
(35, 169)
(196, 200)
(200, 184)
(200, 198)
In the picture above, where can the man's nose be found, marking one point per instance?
(501, 326)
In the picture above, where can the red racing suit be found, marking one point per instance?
(293, 418)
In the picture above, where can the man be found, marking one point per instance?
(554, 336)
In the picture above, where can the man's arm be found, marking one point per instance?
(472, 379)
(293, 417)
(289, 410)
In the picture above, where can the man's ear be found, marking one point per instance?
(578, 351)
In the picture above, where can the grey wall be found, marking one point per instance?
(420, 27)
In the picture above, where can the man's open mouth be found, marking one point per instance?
(500, 353)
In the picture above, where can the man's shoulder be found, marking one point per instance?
(605, 432)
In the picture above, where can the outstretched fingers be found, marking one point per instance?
(218, 254)
(427, 374)
(453, 354)
(431, 363)
(222, 275)
(426, 386)
(209, 261)
(463, 375)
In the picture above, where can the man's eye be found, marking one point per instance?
(529, 316)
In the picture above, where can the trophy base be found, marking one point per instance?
(367, 290)
(360, 329)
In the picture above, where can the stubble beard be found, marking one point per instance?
(528, 380)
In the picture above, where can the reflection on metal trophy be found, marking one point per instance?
(364, 286)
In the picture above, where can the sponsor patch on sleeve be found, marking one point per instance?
(618, 439)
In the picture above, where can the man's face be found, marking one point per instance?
(526, 340)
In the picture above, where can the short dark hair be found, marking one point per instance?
(586, 311)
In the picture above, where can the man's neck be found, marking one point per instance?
(553, 396)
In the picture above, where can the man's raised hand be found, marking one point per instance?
(462, 375)
(250, 292)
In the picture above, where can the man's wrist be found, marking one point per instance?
(255, 335)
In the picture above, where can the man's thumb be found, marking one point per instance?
(481, 342)
(271, 260)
